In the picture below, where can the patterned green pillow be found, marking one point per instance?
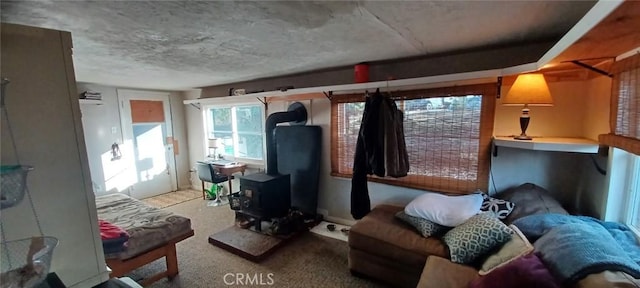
(424, 226)
(475, 237)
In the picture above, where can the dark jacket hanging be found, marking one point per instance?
(380, 136)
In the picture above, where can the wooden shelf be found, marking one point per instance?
(577, 145)
(91, 102)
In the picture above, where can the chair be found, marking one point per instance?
(206, 173)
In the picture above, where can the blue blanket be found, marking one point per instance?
(574, 246)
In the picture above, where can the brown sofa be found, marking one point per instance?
(386, 249)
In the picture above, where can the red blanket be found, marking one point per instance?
(110, 231)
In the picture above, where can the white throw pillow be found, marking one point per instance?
(444, 210)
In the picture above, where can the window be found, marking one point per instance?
(240, 129)
(625, 140)
(633, 194)
(625, 106)
(447, 133)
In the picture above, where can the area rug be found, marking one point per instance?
(172, 198)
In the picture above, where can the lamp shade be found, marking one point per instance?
(213, 143)
(529, 89)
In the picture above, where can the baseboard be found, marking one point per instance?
(186, 187)
(339, 220)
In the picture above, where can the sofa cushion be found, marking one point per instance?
(382, 234)
(516, 247)
(530, 199)
(609, 279)
(424, 226)
(439, 273)
(524, 272)
(502, 208)
(445, 210)
(475, 237)
(394, 273)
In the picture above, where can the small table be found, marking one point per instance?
(228, 171)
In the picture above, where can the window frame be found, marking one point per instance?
(632, 188)
(207, 123)
(488, 93)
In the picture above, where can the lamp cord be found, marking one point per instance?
(595, 163)
(493, 181)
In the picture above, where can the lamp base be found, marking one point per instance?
(523, 137)
(524, 123)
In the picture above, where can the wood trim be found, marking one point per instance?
(335, 166)
(630, 145)
(615, 34)
(122, 267)
(295, 97)
(397, 182)
(421, 93)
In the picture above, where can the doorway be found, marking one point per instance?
(148, 142)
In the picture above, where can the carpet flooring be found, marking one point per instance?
(172, 198)
(310, 260)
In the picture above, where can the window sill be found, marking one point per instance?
(252, 164)
(559, 144)
(635, 231)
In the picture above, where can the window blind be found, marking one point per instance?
(625, 106)
(447, 130)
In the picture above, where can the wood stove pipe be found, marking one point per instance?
(296, 115)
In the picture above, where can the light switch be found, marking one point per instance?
(114, 130)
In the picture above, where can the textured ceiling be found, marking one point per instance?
(185, 44)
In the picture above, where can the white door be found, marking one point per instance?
(148, 142)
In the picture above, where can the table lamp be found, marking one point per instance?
(528, 89)
(214, 144)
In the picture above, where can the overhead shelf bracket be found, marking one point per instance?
(594, 69)
(264, 102)
(329, 95)
(197, 106)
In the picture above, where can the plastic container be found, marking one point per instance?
(213, 191)
(26, 262)
(361, 73)
(13, 185)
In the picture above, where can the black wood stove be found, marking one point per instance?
(268, 195)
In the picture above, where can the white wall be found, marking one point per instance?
(102, 127)
(581, 109)
(598, 103)
(195, 134)
(573, 115)
(181, 138)
(592, 191)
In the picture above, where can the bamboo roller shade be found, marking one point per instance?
(449, 149)
(624, 118)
